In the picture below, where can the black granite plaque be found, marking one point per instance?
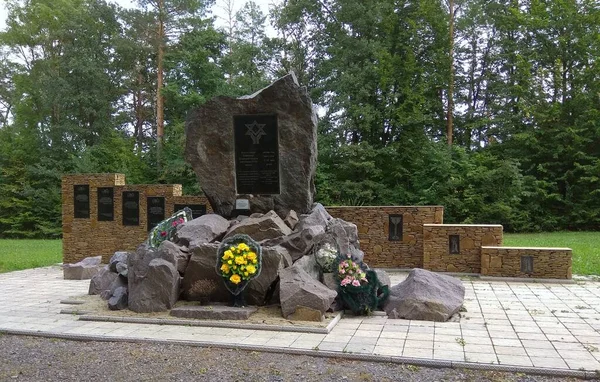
(527, 264)
(155, 208)
(131, 208)
(454, 244)
(81, 201)
(106, 204)
(197, 209)
(256, 154)
(395, 224)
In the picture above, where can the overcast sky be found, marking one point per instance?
(217, 11)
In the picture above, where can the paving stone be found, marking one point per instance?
(514, 360)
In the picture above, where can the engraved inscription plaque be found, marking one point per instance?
(106, 204)
(454, 244)
(197, 209)
(81, 201)
(256, 154)
(527, 264)
(395, 224)
(155, 208)
(131, 208)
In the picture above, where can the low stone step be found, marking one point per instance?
(214, 312)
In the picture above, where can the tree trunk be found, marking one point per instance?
(450, 112)
(160, 119)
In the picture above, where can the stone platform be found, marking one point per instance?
(213, 312)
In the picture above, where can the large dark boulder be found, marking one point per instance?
(118, 300)
(308, 231)
(153, 280)
(298, 288)
(425, 295)
(170, 249)
(102, 281)
(261, 227)
(264, 288)
(210, 147)
(201, 281)
(204, 229)
(83, 270)
(119, 257)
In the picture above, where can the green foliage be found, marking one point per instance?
(78, 86)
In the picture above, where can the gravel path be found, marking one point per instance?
(42, 359)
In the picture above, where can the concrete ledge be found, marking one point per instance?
(214, 324)
(462, 225)
(529, 248)
(527, 280)
(318, 353)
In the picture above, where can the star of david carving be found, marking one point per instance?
(255, 131)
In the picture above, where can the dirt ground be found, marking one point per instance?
(25, 358)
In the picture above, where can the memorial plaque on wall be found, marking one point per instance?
(395, 224)
(106, 204)
(454, 244)
(81, 201)
(155, 207)
(256, 154)
(131, 208)
(197, 209)
(527, 264)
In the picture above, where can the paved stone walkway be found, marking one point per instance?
(540, 325)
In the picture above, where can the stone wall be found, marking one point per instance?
(471, 237)
(554, 263)
(92, 235)
(403, 251)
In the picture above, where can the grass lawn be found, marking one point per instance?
(585, 246)
(24, 254)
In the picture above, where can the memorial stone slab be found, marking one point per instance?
(155, 206)
(261, 147)
(131, 208)
(81, 201)
(106, 203)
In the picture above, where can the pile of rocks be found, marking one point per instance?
(153, 279)
(295, 272)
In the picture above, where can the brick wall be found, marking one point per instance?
(436, 246)
(552, 263)
(374, 232)
(90, 236)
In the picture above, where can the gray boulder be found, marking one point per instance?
(209, 147)
(330, 281)
(118, 301)
(170, 249)
(119, 257)
(298, 288)
(309, 265)
(204, 229)
(153, 280)
(267, 226)
(425, 295)
(383, 277)
(345, 234)
(200, 280)
(122, 269)
(291, 219)
(309, 230)
(102, 281)
(264, 288)
(84, 269)
(120, 282)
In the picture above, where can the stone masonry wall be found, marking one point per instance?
(84, 237)
(374, 233)
(554, 263)
(436, 246)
